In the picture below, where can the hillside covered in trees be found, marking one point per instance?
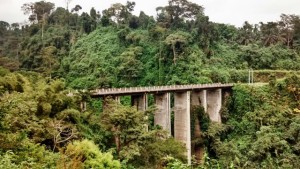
(62, 50)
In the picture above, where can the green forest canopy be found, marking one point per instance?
(62, 50)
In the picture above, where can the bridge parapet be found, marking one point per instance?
(156, 89)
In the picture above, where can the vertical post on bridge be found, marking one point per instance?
(117, 99)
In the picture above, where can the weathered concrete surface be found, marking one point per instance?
(182, 129)
(198, 98)
(162, 115)
(214, 104)
(140, 101)
(203, 99)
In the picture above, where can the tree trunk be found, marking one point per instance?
(117, 140)
(118, 145)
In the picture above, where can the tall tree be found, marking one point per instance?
(49, 62)
(296, 37)
(15, 26)
(179, 11)
(59, 17)
(177, 41)
(4, 26)
(144, 20)
(207, 34)
(94, 17)
(88, 25)
(37, 11)
(270, 33)
(287, 28)
(246, 34)
(183, 9)
(127, 126)
(75, 17)
(120, 13)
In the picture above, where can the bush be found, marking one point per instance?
(85, 154)
(28, 155)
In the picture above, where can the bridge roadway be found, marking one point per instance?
(156, 89)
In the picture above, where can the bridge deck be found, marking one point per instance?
(156, 89)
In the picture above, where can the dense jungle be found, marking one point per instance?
(48, 66)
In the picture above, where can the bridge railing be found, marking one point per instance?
(108, 91)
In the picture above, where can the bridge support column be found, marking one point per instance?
(106, 98)
(162, 115)
(214, 104)
(198, 98)
(140, 101)
(182, 129)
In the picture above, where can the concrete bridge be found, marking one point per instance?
(209, 96)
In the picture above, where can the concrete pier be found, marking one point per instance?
(162, 115)
(214, 104)
(182, 129)
(203, 99)
(140, 101)
(198, 98)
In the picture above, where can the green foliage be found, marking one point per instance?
(129, 67)
(38, 108)
(96, 65)
(261, 129)
(173, 163)
(44, 55)
(27, 155)
(177, 41)
(3, 71)
(133, 143)
(90, 128)
(127, 126)
(156, 146)
(85, 154)
(180, 46)
(7, 161)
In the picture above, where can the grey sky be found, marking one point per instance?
(233, 12)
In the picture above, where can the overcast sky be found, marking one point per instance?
(233, 12)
